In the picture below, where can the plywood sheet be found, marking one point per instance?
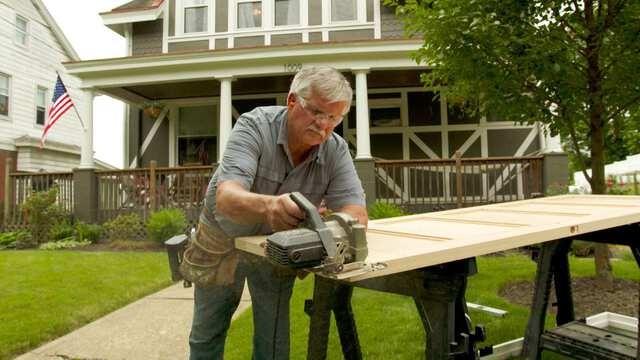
(415, 241)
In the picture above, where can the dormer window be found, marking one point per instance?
(21, 30)
(195, 16)
(344, 10)
(249, 14)
(287, 12)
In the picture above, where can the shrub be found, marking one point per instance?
(42, 213)
(166, 223)
(68, 243)
(381, 210)
(88, 232)
(124, 227)
(61, 231)
(8, 240)
(556, 189)
(581, 248)
(24, 240)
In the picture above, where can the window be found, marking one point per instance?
(344, 10)
(287, 12)
(4, 95)
(195, 16)
(197, 135)
(41, 100)
(21, 30)
(249, 14)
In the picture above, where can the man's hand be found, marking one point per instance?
(283, 213)
(244, 207)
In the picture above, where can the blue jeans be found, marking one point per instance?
(214, 306)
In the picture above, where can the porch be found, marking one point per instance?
(417, 186)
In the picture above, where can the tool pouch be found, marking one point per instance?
(210, 258)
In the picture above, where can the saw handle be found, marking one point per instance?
(312, 216)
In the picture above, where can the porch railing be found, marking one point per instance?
(20, 186)
(417, 186)
(145, 190)
(431, 185)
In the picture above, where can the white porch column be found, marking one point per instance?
(86, 154)
(363, 143)
(225, 114)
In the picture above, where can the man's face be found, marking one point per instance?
(312, 120)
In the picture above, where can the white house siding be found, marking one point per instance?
(29, 67)
(33, 159)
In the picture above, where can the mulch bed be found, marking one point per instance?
(588, 299)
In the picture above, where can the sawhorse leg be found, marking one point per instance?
(439, 294)
(552, 264)
(443, 311)
(330, 296)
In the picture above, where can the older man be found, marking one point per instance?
(272, 151)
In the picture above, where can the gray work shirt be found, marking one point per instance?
(257, 157)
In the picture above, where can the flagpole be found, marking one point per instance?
(74, 107)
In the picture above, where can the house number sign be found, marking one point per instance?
(292, 67)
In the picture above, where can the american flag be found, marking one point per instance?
(61, 102)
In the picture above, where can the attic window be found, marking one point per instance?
(21, 30)
(249, 14)
(195, 16)
(344, 10)
(287, 12)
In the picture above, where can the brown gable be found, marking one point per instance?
(136, 5)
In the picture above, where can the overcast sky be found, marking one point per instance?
(83, 27)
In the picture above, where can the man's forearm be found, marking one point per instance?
(239, 205)
(244, 207)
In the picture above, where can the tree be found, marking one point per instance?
(571, 64)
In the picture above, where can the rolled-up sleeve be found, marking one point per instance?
(344, 187)
(240, 160)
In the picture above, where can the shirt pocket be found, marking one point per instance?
(267, 180)
(314, 191)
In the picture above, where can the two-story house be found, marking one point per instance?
(32, 49)
(204, 62)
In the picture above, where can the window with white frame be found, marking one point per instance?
(4, 95)
(249, 14)
(41, 101)
(344, 10)
(21, 30)
(196, 14)
(287, 12)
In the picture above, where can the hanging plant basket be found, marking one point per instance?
(152, 110)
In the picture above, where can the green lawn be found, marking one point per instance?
(46, 294)
(388, 324)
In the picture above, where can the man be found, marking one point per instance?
(272, 151)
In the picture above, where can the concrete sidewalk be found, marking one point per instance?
(154, 327)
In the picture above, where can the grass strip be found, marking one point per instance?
(46, 294)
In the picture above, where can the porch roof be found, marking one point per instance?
(137, 79)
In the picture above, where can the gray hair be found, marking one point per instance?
(323, 81)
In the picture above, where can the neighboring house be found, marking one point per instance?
(32, 50)
(625, 171)
(204, 62)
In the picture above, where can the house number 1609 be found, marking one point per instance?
(292, 67)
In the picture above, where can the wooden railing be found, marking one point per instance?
(431, 185)
(145, 190)
(22, 185)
